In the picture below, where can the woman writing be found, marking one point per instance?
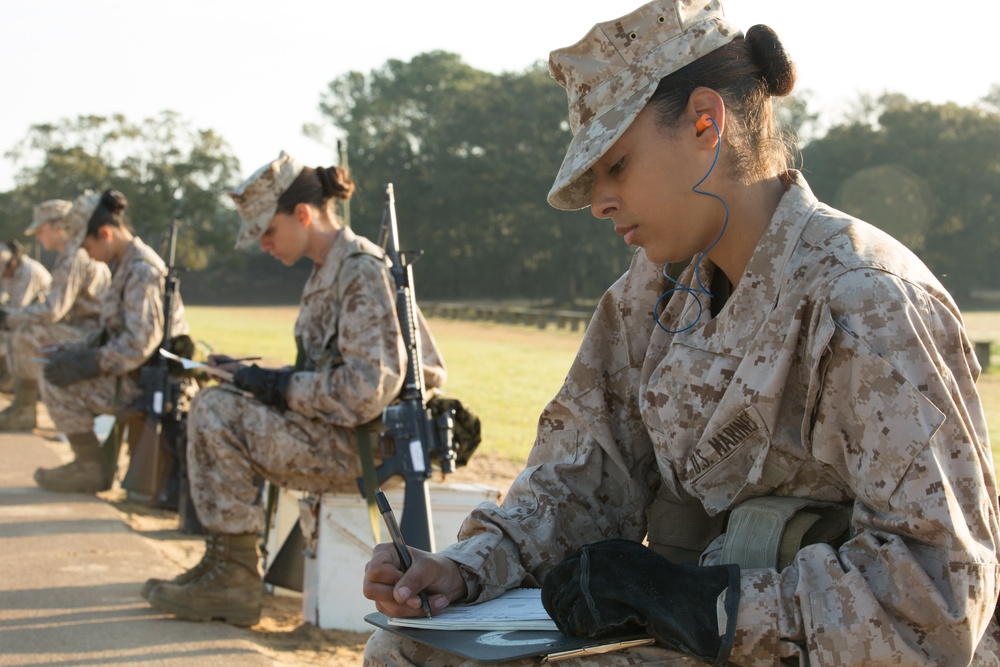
(835, 381)
(99, 374)
(296, 428)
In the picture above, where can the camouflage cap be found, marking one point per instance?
(75, 222)
(257, 198)
(611, 73)
(52, 210)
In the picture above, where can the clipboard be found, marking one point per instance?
(504, 645)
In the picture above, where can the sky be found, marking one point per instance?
(254, 71)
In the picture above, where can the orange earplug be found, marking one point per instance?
(703, 123)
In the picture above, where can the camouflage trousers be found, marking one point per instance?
(233, 440)
(22, 346)
(390, 650)
(74, 407)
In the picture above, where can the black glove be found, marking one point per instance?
(71, 365)
(3, 318)
(618, 586)
(266, 384)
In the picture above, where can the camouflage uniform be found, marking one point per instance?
(352, 363)
(69, 312)
(839, 370)
(28, 286)
(131, 328)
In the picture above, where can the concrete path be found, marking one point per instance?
(70, 575)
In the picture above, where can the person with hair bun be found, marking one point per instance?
(69, 312)
(774, 456)
(293, 426)
(99, 375)
(24, 282)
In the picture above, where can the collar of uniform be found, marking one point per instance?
(325, 275)
(137, 251)
(765, 272)
(759, 289)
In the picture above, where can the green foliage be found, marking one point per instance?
(165, 168)
(928, 174)
(795, 116)
(471, 156)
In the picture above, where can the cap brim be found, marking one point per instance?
(245, 238)
(574, 182)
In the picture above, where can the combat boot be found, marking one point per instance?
(230, 591)
(84, 474)
(21, 414)
(206, 563)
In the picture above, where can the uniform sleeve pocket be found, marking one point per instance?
(870, 421)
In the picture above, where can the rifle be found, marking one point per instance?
(151, 458)
(412, 435)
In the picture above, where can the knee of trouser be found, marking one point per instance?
(49, 393)
(379, 647)
(208, 401)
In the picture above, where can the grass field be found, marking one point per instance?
(505, 373)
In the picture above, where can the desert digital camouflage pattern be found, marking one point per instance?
(130, 330)
(69, 312)
(72, 408)
(838, 370)
(24, 342)
(611, 73)
(75, 222)
(352, 363)
(132, 311)
(52, 210)
(256, 198)
(29, 284)
(77, 287)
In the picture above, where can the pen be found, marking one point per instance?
(397, 541)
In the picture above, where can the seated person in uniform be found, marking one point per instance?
(99, 375)
(70, 311)
(23, 282)
(293, 426)
(836, 383)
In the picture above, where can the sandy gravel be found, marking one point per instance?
(281, 632)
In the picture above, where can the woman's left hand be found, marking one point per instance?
(71, 365)
(618, 586)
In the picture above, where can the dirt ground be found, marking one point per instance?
(281, 631)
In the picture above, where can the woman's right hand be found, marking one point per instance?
(395, 592)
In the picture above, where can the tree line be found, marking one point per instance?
(472, 155)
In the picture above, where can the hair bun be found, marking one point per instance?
(777, 70)
(114, 201)
(335, 182)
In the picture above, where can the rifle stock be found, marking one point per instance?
(411, 433)
(150, 460)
